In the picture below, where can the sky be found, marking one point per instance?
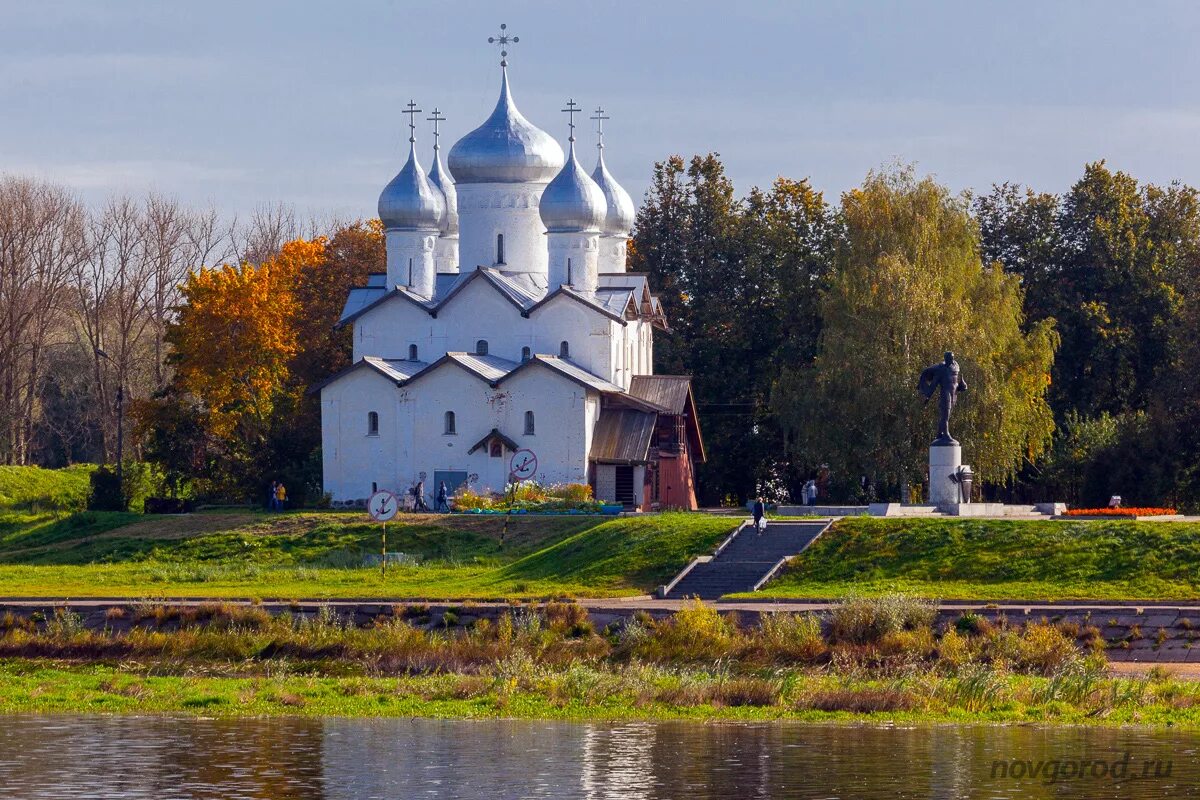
(238, 103)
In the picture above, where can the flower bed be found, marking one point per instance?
(1120, 512)
(531, 498)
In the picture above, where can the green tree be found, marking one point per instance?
(736, 278)
(908, 283)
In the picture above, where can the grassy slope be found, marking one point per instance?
(27, 487)
(999, 559)
(238, 554)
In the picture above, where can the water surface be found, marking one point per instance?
(157, 758)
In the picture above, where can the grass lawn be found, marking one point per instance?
(321, 554)
(999, 559)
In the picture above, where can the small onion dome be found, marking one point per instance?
(440, 177)
(410, 201)
(507, 148)
(619, 219)
(572, 202)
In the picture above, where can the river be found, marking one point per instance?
(157, 758)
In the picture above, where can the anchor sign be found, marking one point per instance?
(523, 465)
(383, 505)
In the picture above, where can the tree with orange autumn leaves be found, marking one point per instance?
(247, 342)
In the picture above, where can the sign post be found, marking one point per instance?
(521, 467)
(382, 506)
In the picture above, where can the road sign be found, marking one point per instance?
(383, 505)
(523, 465)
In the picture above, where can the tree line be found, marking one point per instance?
(805, 324)
(803, 321)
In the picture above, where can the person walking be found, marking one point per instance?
(443, 504)
(272, 502)
(419, 497)
(759, 511)
(280, 496)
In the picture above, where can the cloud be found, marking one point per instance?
(130, 175)
(71, 68)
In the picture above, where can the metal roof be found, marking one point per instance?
(669, 391)
(490, 368)
(623, 436)
(577, 373)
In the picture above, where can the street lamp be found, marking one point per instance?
(120, 424)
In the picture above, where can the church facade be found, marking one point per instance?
(507, 322)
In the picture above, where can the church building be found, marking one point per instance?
(507, 322)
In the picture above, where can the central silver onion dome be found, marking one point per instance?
(618, 221)
(410, 201)
(572, 202)
(507, 148)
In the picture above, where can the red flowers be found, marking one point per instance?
(1120, 512)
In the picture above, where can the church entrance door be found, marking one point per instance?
(454, 481)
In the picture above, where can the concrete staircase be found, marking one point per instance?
(744, 561)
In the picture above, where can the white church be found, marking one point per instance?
(507, 322)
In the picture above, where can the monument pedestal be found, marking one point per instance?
(944, 461)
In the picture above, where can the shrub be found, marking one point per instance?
(864, 620)
(467, 500)
(971, 623)
(1045, 649)
(695, 632)
(795, 637)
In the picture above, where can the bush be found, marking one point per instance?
(794, 637)
(866, 620)
(696, 632)
(106, 492)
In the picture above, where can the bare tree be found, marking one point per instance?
(262, 235)
(42, 240)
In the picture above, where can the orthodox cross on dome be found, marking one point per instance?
(503, 41)
(435, 119)
(600, 117)
(412, 112)
(572, 109)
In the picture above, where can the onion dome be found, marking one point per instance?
(440, 177)
(411, 201)
(572, 202)
(618, 221)
(507, 148)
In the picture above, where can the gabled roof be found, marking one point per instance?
(495, 434)
(623, 436)
(491, 368)
(673, 393)
(396, 370)
(590, 302)
(668, 391)
(570, 370)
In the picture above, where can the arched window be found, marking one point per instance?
(450, 423)
(564, 350)
(529, 423)
(372, 423)
(481, 347)
(412, 352)
(499, 248)
(524, 353)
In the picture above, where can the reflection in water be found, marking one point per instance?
(155, 758)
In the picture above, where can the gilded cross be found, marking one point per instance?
(412, 112)
(572, 109)
(503, 41)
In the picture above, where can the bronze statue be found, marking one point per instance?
(946, 377)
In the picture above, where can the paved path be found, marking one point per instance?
(745, 560)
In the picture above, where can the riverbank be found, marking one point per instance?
(866, 659)
(638, 694)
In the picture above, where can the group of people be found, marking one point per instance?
(442, 506)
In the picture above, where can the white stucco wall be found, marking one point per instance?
(488, 209)
(412, 436)
(479, 311)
